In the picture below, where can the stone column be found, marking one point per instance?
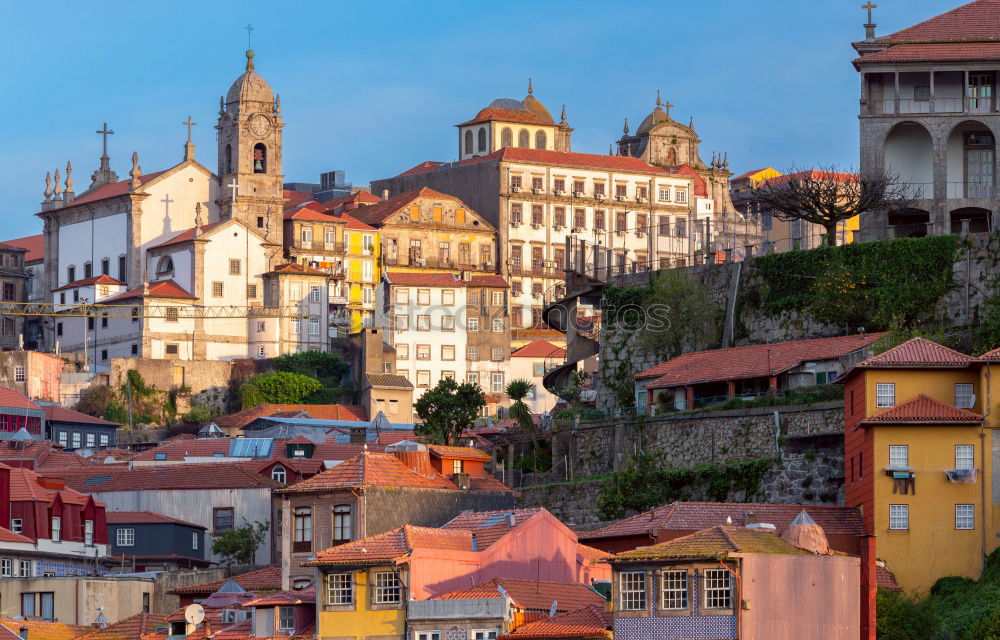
(198, 339)
(939, 223)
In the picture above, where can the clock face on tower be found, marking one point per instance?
(260, 125)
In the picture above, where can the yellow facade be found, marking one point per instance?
(362, 619)
(362, 272)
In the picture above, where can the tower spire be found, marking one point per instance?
(562, 119)
(658, 97)
(530, 90)
(626, 126)
(250, 59)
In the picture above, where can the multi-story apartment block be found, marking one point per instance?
(34, 268)
(929, 115)
(447, 326)
(362, 273)
(13, 279)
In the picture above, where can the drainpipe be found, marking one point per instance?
(982, 455)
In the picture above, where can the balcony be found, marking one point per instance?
(434, 262)
(324, 247)
(954, 190)
(538, 270)
(925, 92)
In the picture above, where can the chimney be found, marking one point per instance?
(419, 461)
(511, 521)
(23, 633)
(385, 194)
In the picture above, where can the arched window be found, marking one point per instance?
(278, 474)
(341, 523)
(482, 138)
(672, 157)
(539, 139)
(468, 140)
(259, 158)
(506, 137)
(229, 159)
(524, 139)
(165, 265)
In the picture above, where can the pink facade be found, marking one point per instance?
(541, 548)
(790, 597)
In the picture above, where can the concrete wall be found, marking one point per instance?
(41, 374)
(208, 380)
(76, 599)
(165, 603)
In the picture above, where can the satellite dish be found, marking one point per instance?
(194, 613)
(553, 608)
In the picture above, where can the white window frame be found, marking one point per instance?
(125, 537)
(105, 440)
(91, 439)
(56, 529)
(885, 395)
(472, 324)
(284, 624)
(663, 194)
(76, 439)
(965, 456)
(496, 384)
(25, 571)
(194, 540)
(899, 456)
(472, 377)
(497, 325)
(447, 323)
(402, 351)
(367, 271)
(402, 296)
(340, 589)
(17, 525)
(18, 374)
(964, 393)
(632, 591)
(88, 532)
(427, 635)
(296, 326)
(314, 294)
(302, 524)
(279, 474)
(423, 323)
(424, 297)
(402, 322)
(965, 517)
(484, 634)
(448, 297)
(314, 326)
(899, 517)
(388, 588)
(718, 588)
(6, 568)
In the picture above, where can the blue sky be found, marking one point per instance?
(375, 87)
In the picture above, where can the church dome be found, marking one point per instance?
(536, 107)
(250, 86)
(656, 117)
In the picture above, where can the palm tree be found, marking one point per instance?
(517, 391)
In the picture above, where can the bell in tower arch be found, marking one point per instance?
(259, 158)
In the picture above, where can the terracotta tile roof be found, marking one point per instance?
(457, 453)
(700, 186)
(393, 545)
(293, 596)
(428, 279)
(194, 477)
(990, 356)
(539, 349)
(313, 211)
(146, 517)
(58, 460)
(591, 555)
(490, 526)
(56, 413)
(426, 165)
(45, 630)
(591, 622)
(369, 470)
(532, 595)
(101, 279)
(158, 289)
(239, 631)
(13, 399)
(918, 353)
(319, 411)
(489, 483)
(388, 380)
(695, 516)
(34, 245)
(295, 198)
(375, 214)
(353, 223)
(112, 190)
(25, 487)
(258, 581)
(951, 52)
(884, 577)
(360, 198)
(979, 20)
(6, 535)
(717, 542)
(505, 115)
(756, 361)
(295, 267)
(122, 455)
(556, 158)
(924, 410)
(188, 234)
(128, 629)
(486, 281)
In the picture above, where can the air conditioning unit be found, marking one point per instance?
(558, 192)
(548, 265)
(619, 233)
(535, 225)
(599, 196)
(515, 189)
(557, 227)
(515, 224)
(620, 198)
(577, 194)
(536, 190)
(640, 199)
(577, 230)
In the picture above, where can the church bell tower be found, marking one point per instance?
(249, 135)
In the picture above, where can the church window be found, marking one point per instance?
(468, 140)
(229, 159)
(524, 139)
(105, 266)
(251, 291)
(234, 266)
(135, 314)
(540, 139)
(171, 314)
(121, 268)
(506, 137)
(164, 265)
(170, 349)
(217, 290)
(260, 222)
(88, 270)
(259, 158)
(482, 139)
(71, 273)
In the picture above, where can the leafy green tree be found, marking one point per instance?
(448, 409)
(280, 387)
(198, 414)
(94, 401)
(239, 546)
(314, 364)
(678, 315)
(903, 617)
(517, 391)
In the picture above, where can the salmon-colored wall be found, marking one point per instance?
(824, 589)
(858, 454)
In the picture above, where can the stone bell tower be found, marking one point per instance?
(249, 135)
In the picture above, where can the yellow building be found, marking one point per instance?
(362, 271)
(918, 459)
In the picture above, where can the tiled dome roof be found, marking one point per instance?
(250, 86)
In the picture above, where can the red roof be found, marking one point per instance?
(177, 450)
(6, 535)
(44, 630)
(951, 52)
(318, 411)
(188, 234)
(309, 211)
(34, 245)
(594, 621)
(258, 581)
(290, 597)
(26, 487)
(127, 629)
(158, 289)
(336, 205)
(426, 165)
(377, 213)
(11, 398)
(393, 545)
(532, 595)
(112, 190)
(884, 577)
(505, 115)
(370, 470)
(101, 279)
(918, 353)
(56, 413)
(490, 526)
(194, 477)
(697, 516)
(354, 224)
(441, 279)
(557, 158)
(539, 349)
(756, 361)
(457, 453)
(700, 186)
(924, 410)
(146, 517)
(295, 198)
(300, 269)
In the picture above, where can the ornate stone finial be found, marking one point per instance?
(135, 173)
(277, 103)
(58, 189)
(691, 124)
(725, 161)
(530, 90)
(611, 149)
(48, 185)
(222, 105)
(249, 59)
(197, 219)
(626, 126)
(563, 117)
(145, 283)
(69, 176)
(657, 97)
(713, 160)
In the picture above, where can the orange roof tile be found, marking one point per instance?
(101, 279)
(393, 545)
(695, 516)
(884, 578)
(112, 190)
(594, 621)
(941, 52)
(756, 361)
(309, 211)
(457, 453)
(359, 198)
(490, 526)
(6, 535)
(34, 245)
(13, 399)
(591, 555)
(158, 289)
(718, 543)
(918, 353)
(979, 20)
(441, 279)
(194, 477)
(533, 595)
(257, 581)
(294, 198)
(45, 630)
(367, 470)
(127, 629)
(55, 413)
(354, 224)
(318, 411)
(924, 410)
(25, 487)
(299, 269)
(505, 115)
(188, 234)
(146, 517)
(293, 596)
(539, 349)
(377, 213)
(556, 158)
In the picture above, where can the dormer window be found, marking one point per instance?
(164, 266)
(278, 474)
